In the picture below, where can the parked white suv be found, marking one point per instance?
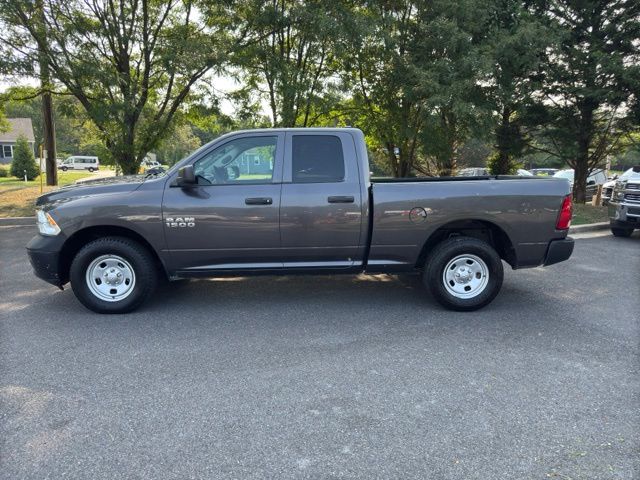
(78, 162)
(597, 177)
(607, 188)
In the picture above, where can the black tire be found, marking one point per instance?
(90, 169)
(448, 250)
(138, 257)
(621, 232)
(64, 169)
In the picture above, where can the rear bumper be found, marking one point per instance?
(44, 256)
(559, 251)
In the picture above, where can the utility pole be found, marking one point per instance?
(49, 129)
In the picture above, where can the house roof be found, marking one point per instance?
(17, 127)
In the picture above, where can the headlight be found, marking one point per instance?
(46, 224)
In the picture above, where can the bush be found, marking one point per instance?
(23, 160)
(502, 166)
(4, 172)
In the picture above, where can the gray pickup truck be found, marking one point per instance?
(286, 201)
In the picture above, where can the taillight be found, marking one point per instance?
(566, 211)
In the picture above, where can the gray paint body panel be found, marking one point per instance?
(300, 231)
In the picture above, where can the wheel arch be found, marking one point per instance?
(484, 230)
(81, 237)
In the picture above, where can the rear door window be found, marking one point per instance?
(317, 159)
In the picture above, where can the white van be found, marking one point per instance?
(78, 162)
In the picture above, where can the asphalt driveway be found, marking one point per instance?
(326, 377)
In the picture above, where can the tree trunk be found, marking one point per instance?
(502, 165)
(128, 164)
(49, 132)
(580, 175)
(581, 167)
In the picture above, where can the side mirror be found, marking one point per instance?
(186, 176)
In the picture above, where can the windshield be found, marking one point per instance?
(564, 174)
(629, 174)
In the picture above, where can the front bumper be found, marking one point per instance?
(559, 251)
(624, 214)
(44, 256)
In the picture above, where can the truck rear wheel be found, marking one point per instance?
(113, 275)
(463, 273)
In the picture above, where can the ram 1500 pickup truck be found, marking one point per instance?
(284, 201)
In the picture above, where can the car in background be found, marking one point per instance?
(473, 172)
(597, 177)
(148, 163)
(481, 172)
(624, 205)
(80, 162)
(607, 187)
(544, 171)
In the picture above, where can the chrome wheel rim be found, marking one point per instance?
(110, 278)
(465, 276)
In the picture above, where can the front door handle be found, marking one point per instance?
(258, 201)
(341, 199)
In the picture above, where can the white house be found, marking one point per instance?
(8, 139)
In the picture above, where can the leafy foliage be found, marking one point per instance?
(434, 85)
(24, 162)
(131, 64)
(590, 82)
(293, 58)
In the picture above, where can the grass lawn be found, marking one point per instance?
(583, 214)
(17, 197)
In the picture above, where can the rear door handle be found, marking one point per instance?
(341, 199)
(258, 201)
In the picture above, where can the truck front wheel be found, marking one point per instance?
(621, 232)
(463, 273)
(113, 275)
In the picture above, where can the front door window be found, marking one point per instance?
(246, 160)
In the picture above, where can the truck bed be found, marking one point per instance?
(407, 212)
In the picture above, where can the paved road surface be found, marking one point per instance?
(326, 377)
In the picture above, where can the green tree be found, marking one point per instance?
(130, 63)
(69, 117)
(177, 145)
(514, 48)
(24, 162)
(293, 58)
(376, 61)
(448, 61)
(591, 82)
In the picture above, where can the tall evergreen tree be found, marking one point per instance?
(448, 60)
(514, 50)
(24, 163)
(591, 79)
